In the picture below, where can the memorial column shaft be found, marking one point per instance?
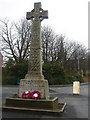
(35, 58)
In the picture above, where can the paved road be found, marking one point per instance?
(77, 105)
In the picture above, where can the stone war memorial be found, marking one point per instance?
(33, 91)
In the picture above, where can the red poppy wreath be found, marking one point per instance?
(35, 95)
(26, 94)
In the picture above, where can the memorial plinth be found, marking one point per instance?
(39, 85)
(34, 79)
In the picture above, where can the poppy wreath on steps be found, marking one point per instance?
(26, 95)
(35, 95)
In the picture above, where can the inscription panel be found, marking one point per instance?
(41, 86)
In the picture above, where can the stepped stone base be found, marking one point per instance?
(41, 105)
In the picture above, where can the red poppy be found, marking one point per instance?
(35, 95)
(26, 94)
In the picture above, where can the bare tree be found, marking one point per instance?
(48, 43)
(75, 56)
(60, 48)
(15, 39)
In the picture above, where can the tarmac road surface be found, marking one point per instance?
(77, 105)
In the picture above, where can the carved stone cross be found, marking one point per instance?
(35, 58)
(37, 13)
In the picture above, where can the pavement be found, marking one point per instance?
(77, 105)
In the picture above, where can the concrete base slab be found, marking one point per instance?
(59, 111)
(41, 105)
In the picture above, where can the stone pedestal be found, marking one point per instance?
(32, 85)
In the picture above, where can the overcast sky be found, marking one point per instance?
(68, 17)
